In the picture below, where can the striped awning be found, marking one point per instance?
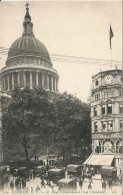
(100, 159)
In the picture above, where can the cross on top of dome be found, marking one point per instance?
(27, 16)
(27, 4)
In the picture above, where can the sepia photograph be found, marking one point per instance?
(61, 97)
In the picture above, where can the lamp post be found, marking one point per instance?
(47, 158)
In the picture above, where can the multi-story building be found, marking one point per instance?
(28, 65)
(107, 118)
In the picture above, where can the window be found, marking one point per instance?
(105, 94)
(121, 108)
(109, 108)
(95, 111)
(109, 94)
(104, 126)
(121, 124)
(120, 93)
(97, 97)
(95, 126)
(110, 126)
(119, 147)
(96, 83)
(103, 109)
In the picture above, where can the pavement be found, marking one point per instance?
(96, 188)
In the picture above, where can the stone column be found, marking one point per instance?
(115, 146)
(105, 109)
(18, 78)
(37, 80)
(30, 80)
(51, 83)
(43, 81)
(8, 83)
(24, 78)
(12, 81)
(55, 84)
(101, 146)
(48, 82)
(4, 81)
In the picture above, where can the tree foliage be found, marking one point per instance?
(73, 125)
(38, 121)
(29, 118)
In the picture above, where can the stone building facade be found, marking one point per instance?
(107, 118)
(28, 65)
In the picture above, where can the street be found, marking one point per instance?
(33, 183)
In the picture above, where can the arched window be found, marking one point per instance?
(119, 147)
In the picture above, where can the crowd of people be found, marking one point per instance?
(19, 183)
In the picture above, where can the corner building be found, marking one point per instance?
(28, 65)
(106, 119)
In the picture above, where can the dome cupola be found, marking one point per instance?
(28, 26)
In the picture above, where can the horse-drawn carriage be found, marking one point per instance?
(110, 173)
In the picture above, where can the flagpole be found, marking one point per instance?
(111, 58)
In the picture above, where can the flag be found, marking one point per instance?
(110, 35)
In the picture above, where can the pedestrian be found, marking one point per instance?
(44, 163)
(42, 183)
(33, 174)
(12, 185)
(80, 183)
(23, 184)
(32, 190)
(90, 177)
(17, 182)
(104, 185)
(27, 190)
(92, 171)
(30, 175)
(89, 186)
(37, 190)
(110, 183)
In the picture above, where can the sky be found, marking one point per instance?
(73, 28)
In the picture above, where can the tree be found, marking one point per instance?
(29, 119)
(73, 125)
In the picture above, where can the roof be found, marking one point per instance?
(65, 181)
(109, 168)
(73, 166)
(28, 45)
(100, 159)
(55, 170)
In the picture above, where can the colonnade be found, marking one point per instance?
(31, 80)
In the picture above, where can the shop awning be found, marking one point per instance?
(106, 160)
(93, 160)
(100, 160)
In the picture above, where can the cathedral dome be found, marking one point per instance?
(28, 45)
(28, 63)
